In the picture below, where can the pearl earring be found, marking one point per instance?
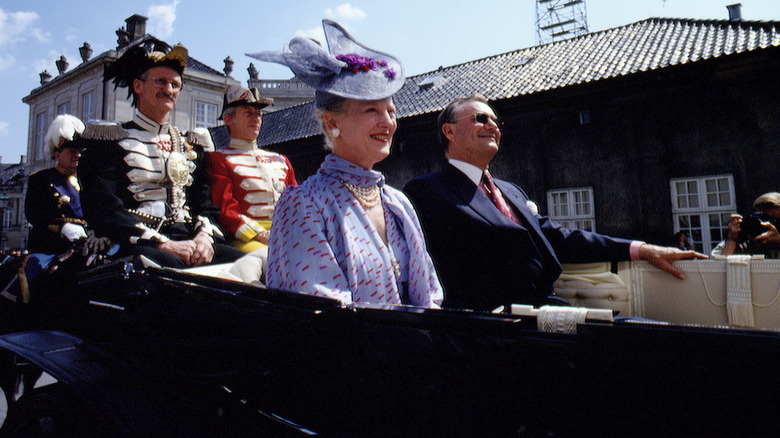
(336, 132)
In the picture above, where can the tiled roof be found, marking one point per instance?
(194, 64)
(646, 45)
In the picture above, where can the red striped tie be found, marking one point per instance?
(492, 192)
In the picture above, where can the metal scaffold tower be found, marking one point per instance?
(560, 19)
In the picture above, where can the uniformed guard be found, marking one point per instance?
(53, 201)
(143, 182)
(246, 181)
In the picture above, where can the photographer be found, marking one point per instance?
(757, 233)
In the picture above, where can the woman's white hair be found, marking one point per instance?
(63, 128)
(336, 106)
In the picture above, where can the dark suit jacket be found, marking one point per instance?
(47, 210)
(485, 260)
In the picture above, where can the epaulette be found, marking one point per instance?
(104, 130)
(201, 137)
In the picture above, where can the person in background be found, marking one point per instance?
(143, 181)
(682, 241)
(343, 233)
(246, 181)
(53, 201)
(510, 255)
(756, 234)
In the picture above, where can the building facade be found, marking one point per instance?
(13, 226)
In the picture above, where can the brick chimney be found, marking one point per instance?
(136, 26)
(735, 11)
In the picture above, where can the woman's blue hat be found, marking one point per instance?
(347, 69)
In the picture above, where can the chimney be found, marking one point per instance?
(136, 26)
(735, 11)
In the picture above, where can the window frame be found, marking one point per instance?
(571, 218)
(41, 126)
(197, 122)
(705, 212)
(86, 116)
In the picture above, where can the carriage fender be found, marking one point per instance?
(118, 396)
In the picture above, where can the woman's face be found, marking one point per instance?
(366, 129)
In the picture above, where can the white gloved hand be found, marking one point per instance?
(73, 232)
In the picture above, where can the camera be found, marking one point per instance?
(751, 224)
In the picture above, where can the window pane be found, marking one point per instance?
(88, 106)
(205, 115)
(719, 226)
(40, 134)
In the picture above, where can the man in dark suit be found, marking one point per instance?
(489, 248)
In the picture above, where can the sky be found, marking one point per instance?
(424, 34)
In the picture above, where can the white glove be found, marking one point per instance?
(73, 232)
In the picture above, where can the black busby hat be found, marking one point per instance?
(142, 56)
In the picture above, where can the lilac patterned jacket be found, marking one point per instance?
(322, 243)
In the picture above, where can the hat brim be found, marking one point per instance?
(321, 70)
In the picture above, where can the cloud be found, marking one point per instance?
(6, 61)
(345, 12)
(315, 33)
(4, 128)
(161, 18)
(18, 26)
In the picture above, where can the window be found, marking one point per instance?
(63, 108)
(40, 135)
(702, 206)
(205, 115)
(573, 208)
(88, 106)
(8, 216)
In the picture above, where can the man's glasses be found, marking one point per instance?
(162, 82)
(482, 118)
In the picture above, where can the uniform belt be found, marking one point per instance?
(156, 222)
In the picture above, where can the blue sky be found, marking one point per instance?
(423, 34)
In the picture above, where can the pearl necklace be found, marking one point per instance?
(367, 196)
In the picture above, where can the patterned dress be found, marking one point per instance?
(246, 182)
(322, 242)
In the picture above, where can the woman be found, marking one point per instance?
(343, 233)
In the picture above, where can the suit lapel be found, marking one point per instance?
(518, 199)
(470, 195)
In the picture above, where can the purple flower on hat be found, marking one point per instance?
(356, 63)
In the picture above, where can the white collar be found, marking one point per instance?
(243, 144)
(473, 172)
(148, 124)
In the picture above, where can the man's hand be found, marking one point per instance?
(735, 228)
(204, 250)
(770, 236)
(662, 258)
(263, 236)
(183, 249)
